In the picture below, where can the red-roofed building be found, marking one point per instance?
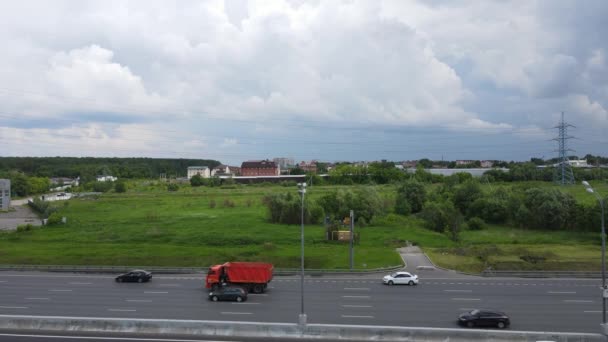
(259, 168)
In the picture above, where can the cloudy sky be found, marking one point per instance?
(330, 80)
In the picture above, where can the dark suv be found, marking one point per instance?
(139, 276)
(228, 293)
(484, 318)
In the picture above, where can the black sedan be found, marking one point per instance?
(228, 293)
(484, 318)
(138, 276)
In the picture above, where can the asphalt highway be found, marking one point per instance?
(566, 305)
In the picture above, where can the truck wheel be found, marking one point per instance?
(258, 288)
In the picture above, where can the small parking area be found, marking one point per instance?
(18, 215)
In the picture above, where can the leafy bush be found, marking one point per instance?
(197, 180)
(25, 227)
(120, 187)
(411, 196)
(442, 217)
(101, 186)
(172, 187)
(364, 201)
(54, 219)
(548, 208)
(287, 208)
(475, 223)
(42, 207)
(466, 194)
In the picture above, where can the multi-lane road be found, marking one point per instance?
(567, 305)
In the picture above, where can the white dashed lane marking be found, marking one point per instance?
(235, 313)
(122, 310)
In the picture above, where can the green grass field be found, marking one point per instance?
(149, 226)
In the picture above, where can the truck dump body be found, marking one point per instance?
(254, 276)
(248, 272)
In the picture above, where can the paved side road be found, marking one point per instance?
(22, 214)
(417, 262)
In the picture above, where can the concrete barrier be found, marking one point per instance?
(281, 330)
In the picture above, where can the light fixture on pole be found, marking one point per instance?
(302, 318)
(604, 292)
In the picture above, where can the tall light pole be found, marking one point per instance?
(302, 191)
(601, 200)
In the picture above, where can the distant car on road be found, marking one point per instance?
(138, 276)
(228, 293)
(484, 318)
(400, 278)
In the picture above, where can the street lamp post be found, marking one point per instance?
(601, 200)
(302, 318)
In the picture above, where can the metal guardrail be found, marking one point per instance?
(541, 274)
(177, 270)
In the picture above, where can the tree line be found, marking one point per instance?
(457, 203)
(88, 168)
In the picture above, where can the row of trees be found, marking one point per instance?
(286, 207)
(88, 168)
(450, 207)
(22, 185)
(386, 172)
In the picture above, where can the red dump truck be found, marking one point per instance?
(254, 276)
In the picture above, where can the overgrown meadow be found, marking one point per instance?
(200, 226)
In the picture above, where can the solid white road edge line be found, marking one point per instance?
(107, 338)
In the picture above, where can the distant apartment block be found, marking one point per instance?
(203, 171)
(308, 167)
(464, 162)
(259, 168)
(225, 170)
(5, 194)
(284, 163)
(487, 164)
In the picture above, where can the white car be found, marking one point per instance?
(400, 278)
